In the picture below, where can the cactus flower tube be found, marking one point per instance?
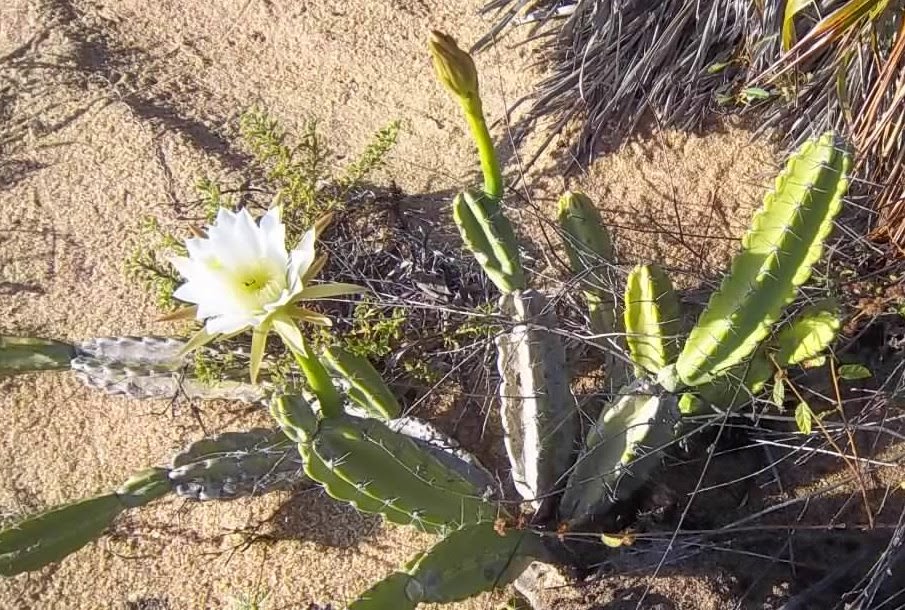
(241, 276)
(456, 70)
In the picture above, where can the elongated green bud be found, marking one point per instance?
(652, 321)
(590, 251)
(620, 452)
(808, 335)
(42, 539)
(369, 386)
(28, 354)
(454, 67)
(785, 240)
(488, 234)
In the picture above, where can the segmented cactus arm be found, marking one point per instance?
(785, 240)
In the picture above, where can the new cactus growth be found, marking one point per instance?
(590, 251)
(489, 236)
(652, 322)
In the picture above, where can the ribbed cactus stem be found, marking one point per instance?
(778, 252)
(488, 234)
(651, 319)
(539, 412)
(28, 354)
(620, 452)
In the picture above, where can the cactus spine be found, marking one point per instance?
(785, 240)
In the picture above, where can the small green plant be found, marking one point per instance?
(300, 175)
(147, 264)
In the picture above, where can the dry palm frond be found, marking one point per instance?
(612, 62)
(800, 66)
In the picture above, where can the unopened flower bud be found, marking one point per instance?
(455, 67)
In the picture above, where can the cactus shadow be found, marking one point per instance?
(313, 516)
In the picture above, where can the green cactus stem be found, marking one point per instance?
(808, 335)
(363, 461)
(29, 354)
(488, 234)
(49, 537)
(161, 353)
(620, 452)
(539, 412)
(471, 560)
(366, 383)
(778, 252)
(652, 322)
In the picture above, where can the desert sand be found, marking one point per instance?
(110, 110)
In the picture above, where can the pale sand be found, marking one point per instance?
(111, 114)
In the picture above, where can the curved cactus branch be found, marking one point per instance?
(488, 234)
(471, 560)
(785, 240)
(365, 382)
(42, 539)
(652, 321)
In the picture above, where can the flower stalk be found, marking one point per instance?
(456, 70)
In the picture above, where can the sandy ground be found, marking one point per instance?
(110, 111)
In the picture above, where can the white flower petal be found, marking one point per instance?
(301, 258)
(229, 324)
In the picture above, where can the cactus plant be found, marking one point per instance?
(345, 430)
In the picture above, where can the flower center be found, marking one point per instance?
(258, 285)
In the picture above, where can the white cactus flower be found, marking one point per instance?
(241, 276)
